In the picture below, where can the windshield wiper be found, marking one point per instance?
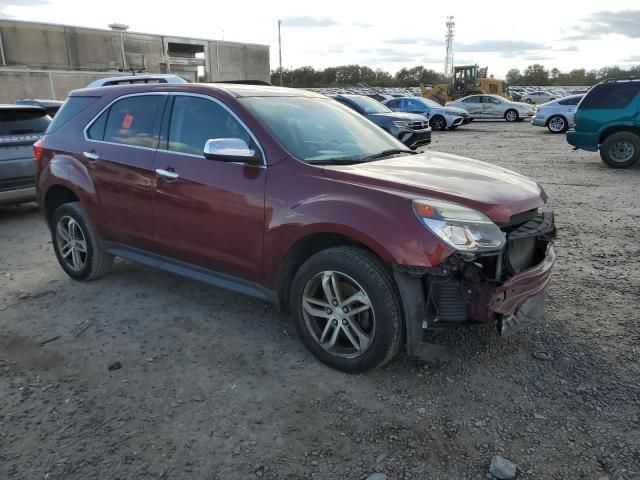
(386, 153)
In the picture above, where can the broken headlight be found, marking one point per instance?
(461, 227)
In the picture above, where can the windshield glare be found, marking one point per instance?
(369, 105)
(319, 129)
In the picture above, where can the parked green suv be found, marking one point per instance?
(608, 119)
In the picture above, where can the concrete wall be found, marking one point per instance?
(87, 51)
(50, 84)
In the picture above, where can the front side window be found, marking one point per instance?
(413, 105)
(195, 120)
(133, 121)
(320, 130)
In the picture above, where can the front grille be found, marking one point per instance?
(418, 125)
(527, 241)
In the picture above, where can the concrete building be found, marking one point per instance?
(47, 61)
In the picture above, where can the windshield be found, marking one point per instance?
(368, 105)
(319, 129)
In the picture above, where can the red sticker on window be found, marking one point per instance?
(127, 121)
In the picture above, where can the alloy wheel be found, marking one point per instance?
(511, 116)
(621, 151)
(338, 314)
(439, 123)
(71, 243)
(556, 124)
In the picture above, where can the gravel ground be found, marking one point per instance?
(214, 385)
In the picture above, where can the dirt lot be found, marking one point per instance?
(214, 385)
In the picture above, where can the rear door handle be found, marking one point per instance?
(91, 156)
(166, 174)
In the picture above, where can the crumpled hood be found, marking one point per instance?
(497, 192)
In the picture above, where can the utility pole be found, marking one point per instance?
(280, 50)
(448, 60)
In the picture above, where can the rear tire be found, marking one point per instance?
(620, 149)
(77, 245)
(511, 115)
(557, 124)
(328, 323)
(437, 122)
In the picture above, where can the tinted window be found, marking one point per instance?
(570, 100)
(96, 131)
(135, 121)
(72, 107)
(471, 100)
(611, 95)
(195, 120)
(393, 104)
(15, 121)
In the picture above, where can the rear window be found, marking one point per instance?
(72, 107)
(570, 100)
(22, 121)
(610, 95)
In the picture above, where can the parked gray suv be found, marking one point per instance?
(20, 127)
(411, 129)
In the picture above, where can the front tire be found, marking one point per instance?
(438, 123)
(346, 309)
(77, 245)
(511, 115)
(557, 124)
(620, 150)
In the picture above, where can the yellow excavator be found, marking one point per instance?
(467, 80)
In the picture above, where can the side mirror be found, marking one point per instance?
(230, 150)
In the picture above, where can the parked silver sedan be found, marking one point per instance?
(493, 106)
(541, 96)
(556, 115)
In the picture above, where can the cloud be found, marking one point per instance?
(309, 22)
(363, 24)
(502, 46)
(390, 55)
(572, 48)
(624, 22)
(632, 59)
(538, 57)
(4, 4)
(424, 41)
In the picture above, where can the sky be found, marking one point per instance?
(570, 34)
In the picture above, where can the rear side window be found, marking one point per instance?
(570, 101)
(72, 107)
(195, 120)
(611, 95)
(15, 121)
(131, 121)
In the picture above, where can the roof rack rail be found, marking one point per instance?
(622, 79)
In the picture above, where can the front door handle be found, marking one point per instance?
(91, 156)
(166, 174)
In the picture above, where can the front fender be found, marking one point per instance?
(310, 204)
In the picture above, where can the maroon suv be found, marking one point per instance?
(290, 197)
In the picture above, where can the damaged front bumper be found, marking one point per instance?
(506, 287)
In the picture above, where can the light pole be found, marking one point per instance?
(119, 27)
(280, 50)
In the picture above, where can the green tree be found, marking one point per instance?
(535, 74)
(514, 77)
